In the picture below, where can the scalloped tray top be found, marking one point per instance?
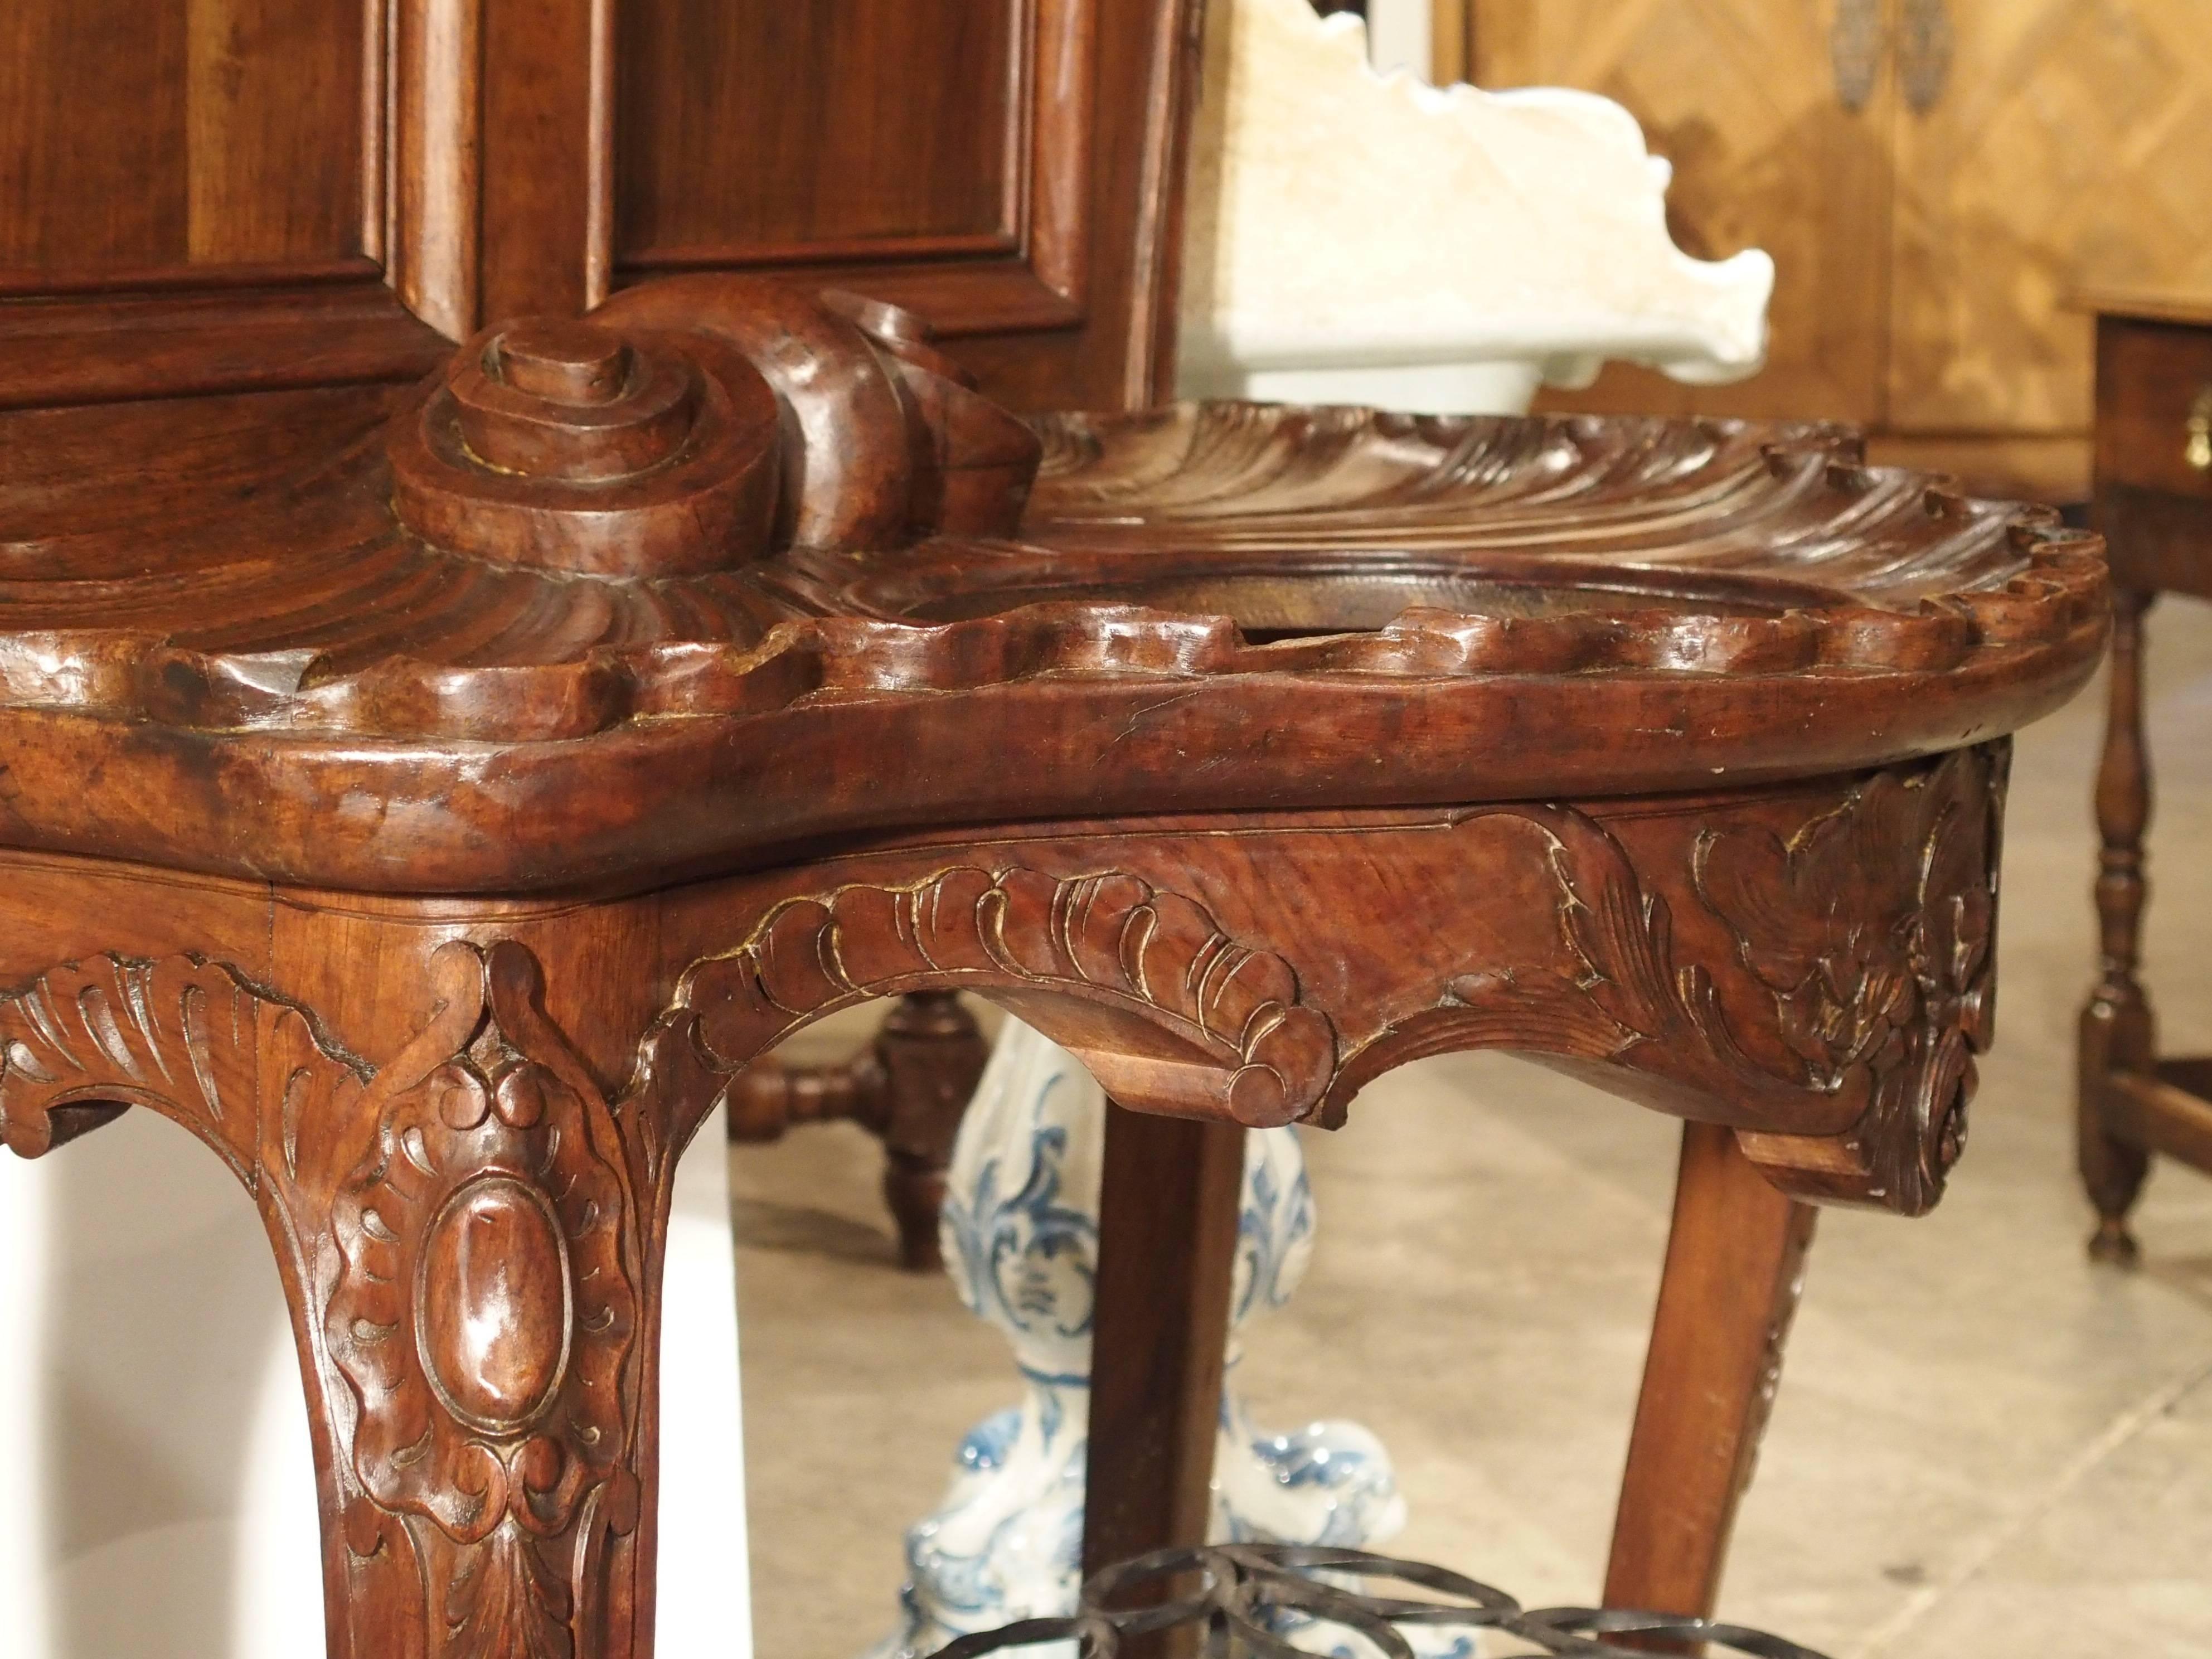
(738, 565)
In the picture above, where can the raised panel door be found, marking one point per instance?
(150, 140)
(864, 126)
(192, 200)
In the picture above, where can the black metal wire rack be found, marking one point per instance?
(1248, 1598)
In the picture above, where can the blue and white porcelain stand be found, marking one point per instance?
(1020, 1233)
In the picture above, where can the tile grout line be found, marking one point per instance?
(2123, 1428)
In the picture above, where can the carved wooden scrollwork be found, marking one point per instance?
(1867, 932)
(466, 1251)
(190, 1038)
(1171, 1013)
(564, 445)
(487, 1309)
(1880, 967)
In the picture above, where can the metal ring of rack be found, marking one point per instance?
(1242, 1588)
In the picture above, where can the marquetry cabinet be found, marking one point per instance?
(1932, 177)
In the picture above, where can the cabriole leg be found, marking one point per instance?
(1735, 1262)
(469, 1241)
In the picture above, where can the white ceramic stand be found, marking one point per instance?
(1020, 1232)
(1466, 244)
(157, 1496)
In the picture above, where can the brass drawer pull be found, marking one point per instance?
(1855, 51)
(1924, 53)
(2198, 451)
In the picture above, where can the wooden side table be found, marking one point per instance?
(2154, 504)
(435, 801)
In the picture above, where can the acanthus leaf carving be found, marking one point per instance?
(1867, 930)
(1626, 1000)
(461, 1227)
(488, 1304)
(1218, 1027)
(1893, 975)
(192, 1038)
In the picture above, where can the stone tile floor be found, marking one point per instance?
(1984, 1446)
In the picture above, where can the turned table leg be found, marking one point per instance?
(2117, 1029)
(1735, 1262)
(908, 1087)
(1167, 1241)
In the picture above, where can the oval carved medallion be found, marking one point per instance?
(493, 1305)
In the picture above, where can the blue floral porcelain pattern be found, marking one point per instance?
(1020, 1233)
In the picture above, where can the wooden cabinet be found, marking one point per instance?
(1934, 179)
(267, 193)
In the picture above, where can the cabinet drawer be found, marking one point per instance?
(2154, 380)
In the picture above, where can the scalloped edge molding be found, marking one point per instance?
(1339, 219)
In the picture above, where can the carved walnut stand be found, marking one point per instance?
(435, 801)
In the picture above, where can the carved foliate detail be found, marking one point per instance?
(1626, 994)
(463, 1231)
(190, 1037)
(1880, 966)
(487, 1306)
(1078, 957)
(1868, 929)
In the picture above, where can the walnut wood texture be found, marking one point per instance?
(1736, 1264)
(1008, 169)
(460, 1116)
(436, 799)
(2155, 506)
(1167, 1238)
(286, 193)
(1570, 605)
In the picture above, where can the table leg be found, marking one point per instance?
(1167, 1248)
(1021, 1221)
(2117, 1032)
(908, 1087)
(1735, 1262)
(469, 1239)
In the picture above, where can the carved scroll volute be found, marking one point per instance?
(1171, 1014)
(887, 440)
(975, 463)
(566, 445)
